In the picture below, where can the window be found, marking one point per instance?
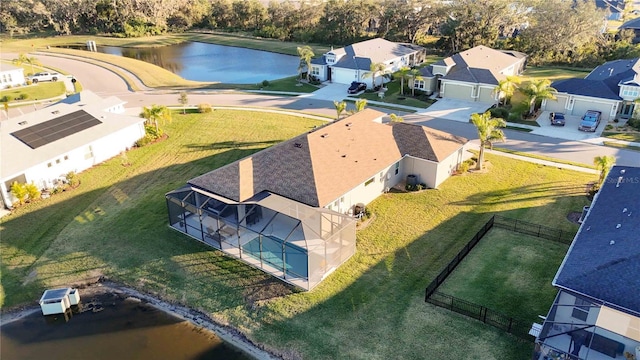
(381, 176)
(337, 204)
(57, 161)
(581, 309)
(397, 166)
(419, 84)
(88, 153)
(315, 71)
(49, 165)
(369, 181)
(66, 157)
(630, 92)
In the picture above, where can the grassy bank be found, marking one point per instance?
(115, 224)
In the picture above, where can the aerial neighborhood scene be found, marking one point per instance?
(320, 179)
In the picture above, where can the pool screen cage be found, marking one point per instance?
(295, 242)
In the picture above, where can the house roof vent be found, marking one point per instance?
(298, 145)
(324, 135)
(22, 123)
(348, 124)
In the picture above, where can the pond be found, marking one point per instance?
(111, 326)
(214, 63)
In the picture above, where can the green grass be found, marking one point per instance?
(115, 224)
(547, 158)
(626, 136)
(40, 91)
(517, 128)
(510, 273)
(290, 84)
(393, 96)
(553, 73)
(621, 146)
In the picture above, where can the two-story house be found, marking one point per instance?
(610, 88)
(596, 314)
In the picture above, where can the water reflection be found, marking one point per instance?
(120, 328)
(210, 62)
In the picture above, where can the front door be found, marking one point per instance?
(627, 110)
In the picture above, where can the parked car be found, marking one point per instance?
(356, 87)
(590, 121)
(557, 119)
(44, 76)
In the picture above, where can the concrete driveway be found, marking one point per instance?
(569, 131)
(331, 92)
(452, 109)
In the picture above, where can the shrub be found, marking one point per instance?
(143, 141)
(499, 112)
(464, 167)
(634, 123)
(265, 83)
(409, 187)
(204, 108)
(24, 96)
(608, 127)
(5, 98)
(33, 191)
(152, 132)
(72, 179)
(419, 187)
(29, 82)
(19, 191)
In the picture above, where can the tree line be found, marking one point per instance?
(550, 31)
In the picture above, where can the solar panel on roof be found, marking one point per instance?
(56, 129)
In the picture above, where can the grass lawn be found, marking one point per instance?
(508, 272)
(626, 136)
(290, 84)
(393, 96)
(40, 91)
(115, 224)
(542, 157)
(621, 146)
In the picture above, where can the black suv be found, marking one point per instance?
(356, 87)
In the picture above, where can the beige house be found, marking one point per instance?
(471, 74)
(289, 209)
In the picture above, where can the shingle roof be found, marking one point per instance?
(603, 81)
(318, 167)
(595, 266)
(362, 54)
(8, 67)
(479, 65)
(584, 87)
(631, 24)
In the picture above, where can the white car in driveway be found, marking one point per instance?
(44, 76)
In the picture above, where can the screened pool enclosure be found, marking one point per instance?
(292, 241)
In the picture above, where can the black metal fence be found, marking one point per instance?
(528, 228)
(458, 258)
(479, 312)
(488, 316)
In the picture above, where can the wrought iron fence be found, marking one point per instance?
(528, 228)
(491, 317)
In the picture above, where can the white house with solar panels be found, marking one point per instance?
(72, 135)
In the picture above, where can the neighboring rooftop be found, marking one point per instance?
(362, 54)
(480, 64)
(306, 167)
(604, 81)
(603, 261)
(17, 155)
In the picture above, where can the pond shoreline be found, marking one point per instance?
(199, 319)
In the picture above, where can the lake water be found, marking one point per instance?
(214, 63)
(122, 329)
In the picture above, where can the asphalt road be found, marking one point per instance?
(107, 83)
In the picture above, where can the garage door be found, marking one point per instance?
(455, 91)
(344, 76)
(556, 105)
(487, 96)
(581, 106)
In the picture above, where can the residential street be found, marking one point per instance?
(107, 83)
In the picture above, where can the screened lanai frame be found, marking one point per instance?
(295, 242)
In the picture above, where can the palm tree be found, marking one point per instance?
(488, 132)
(340, 107)
(24, 59)
(537, 91)
(403, 73)
(375, 69)
(306, 54)
(360, 104)
(604, 164)
(155, 113)
(507, 87)
(415, 75)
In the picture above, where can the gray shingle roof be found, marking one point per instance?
(631, 24)
(480, 64)
(362, 54)
(603, 82)
(584, 87)
(593, 265)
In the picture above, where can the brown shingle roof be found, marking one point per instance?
(320, 166)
